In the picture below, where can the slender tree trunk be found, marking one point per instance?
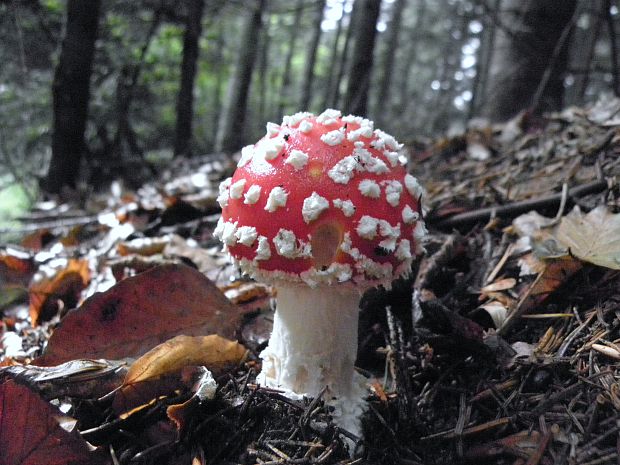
(185, 101)
(306, 87)
(263, 70)
(613, 45)
(344, 56)
(356, 99)
(284, 98)
(383, 107)
(582, 49)
(525, 48)
(125, 139)
(451, 63)
(329, 83)
(406, 92)
(71, 93)
(483, 62)
(218, 65)
(231, 125)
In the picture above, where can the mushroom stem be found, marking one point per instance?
(313, 345)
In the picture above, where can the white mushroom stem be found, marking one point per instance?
(314, 345)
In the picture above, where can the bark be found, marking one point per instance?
(412, 52)
(263, 69)
(528, 50)
(285, 97)
(483, 61)
(306, 88)
(356, 99)
(185, 100)
(613, 45)
(218, 66)
(344, 56)
(583, 49)
(71, 93)
(329, 90)
(382, 113)
(125, 139)
(230, 135)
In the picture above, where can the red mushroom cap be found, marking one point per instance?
(322, 199)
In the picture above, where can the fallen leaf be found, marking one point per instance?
(140, 312)
(144, 246)
(593, 238)
(168, 359)
(499, 285)
(63, 285)
(30, 433)
(16, 267)
(555, 273)
(497, 311)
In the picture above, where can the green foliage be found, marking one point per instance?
(15, 200)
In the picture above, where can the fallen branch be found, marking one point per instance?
(516, 208)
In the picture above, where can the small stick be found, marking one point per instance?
(516, 208)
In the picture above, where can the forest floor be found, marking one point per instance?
(503, 347)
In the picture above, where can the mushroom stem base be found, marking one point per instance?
(314, 345)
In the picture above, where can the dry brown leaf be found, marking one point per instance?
(557, 271)
(140, 312)
(142, 382)
(593, 238)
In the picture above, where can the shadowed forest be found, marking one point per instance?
(95, 90)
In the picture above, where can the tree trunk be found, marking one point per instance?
(344, 56)
(329, 91)
(218, 66)
(230, 135)
(185, 101)
(406, 93)
(263, 71)
(284, 98)
(483, 61)
(356, 99)
(306, 88)
(383, 107)
(526, 47)
(613, 45)
(71, 93)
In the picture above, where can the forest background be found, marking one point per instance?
(92, 91)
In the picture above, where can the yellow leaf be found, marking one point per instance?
(159, 370)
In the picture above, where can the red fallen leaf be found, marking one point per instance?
(66, 286)
(37, 240)
(30, 433)
(140, 312)
(16, 267)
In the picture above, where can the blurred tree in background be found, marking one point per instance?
(192, 77)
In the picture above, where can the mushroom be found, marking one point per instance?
(322, 208)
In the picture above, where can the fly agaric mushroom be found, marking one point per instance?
(323, 208)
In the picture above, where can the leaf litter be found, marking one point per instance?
(502, 348)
